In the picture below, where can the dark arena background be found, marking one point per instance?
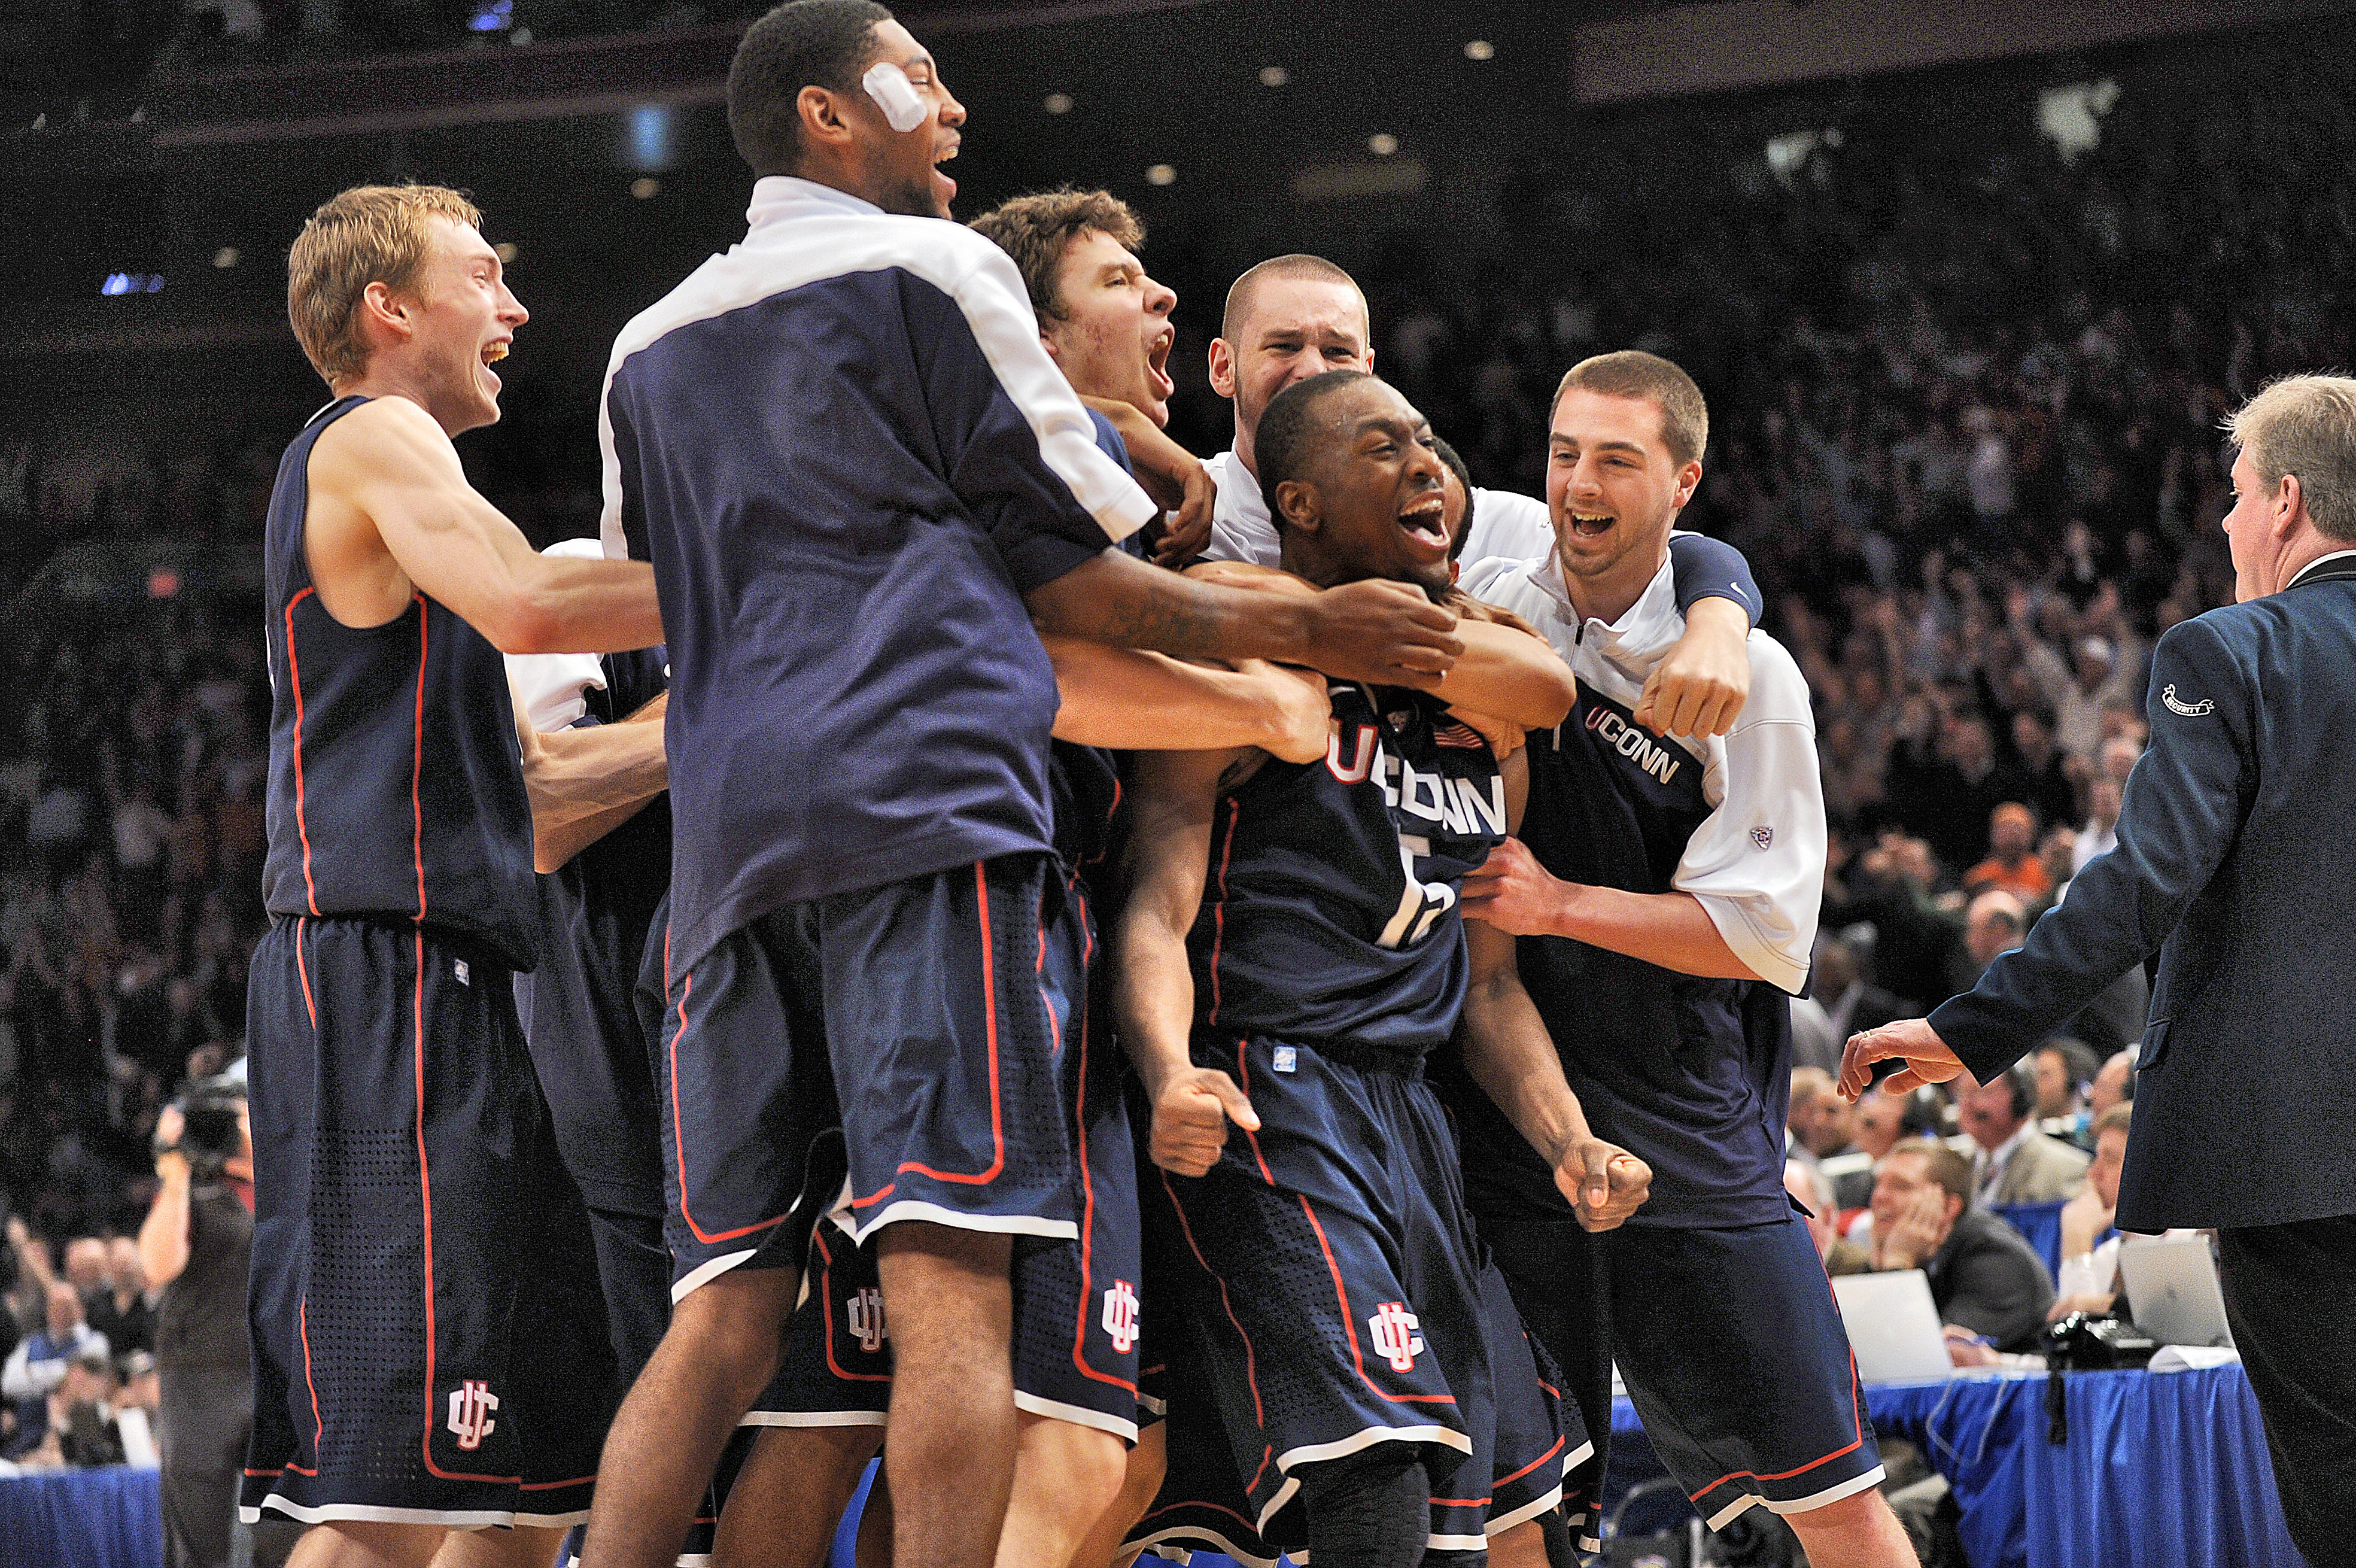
(1969, 288)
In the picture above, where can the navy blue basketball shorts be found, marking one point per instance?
(1333, 1303)
(1078, 1305)
(915, 1017)
(430, 1343)
(1732, 1345)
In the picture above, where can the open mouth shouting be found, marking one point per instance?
(1424, 521)
(493, 352)
(945, 187)
(1157, 360)
(1591, 525)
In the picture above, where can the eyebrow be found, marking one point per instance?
(919, 58)
(1599, 446)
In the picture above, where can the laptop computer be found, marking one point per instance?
(2173, 1292)
(1893, 1326)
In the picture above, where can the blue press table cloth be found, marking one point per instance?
(82, 1518)
(2158, 1468)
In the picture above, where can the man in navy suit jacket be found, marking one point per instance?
(2235, 844)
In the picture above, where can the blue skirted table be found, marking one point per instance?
(81, 1519)
(2156, 1468)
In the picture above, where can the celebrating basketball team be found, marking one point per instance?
(1187, 1003)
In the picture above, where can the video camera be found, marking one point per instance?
(209, 1136)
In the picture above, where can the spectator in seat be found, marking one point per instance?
(1991, 1288)
(2015, 1161)
(1852, 1002)
(1994, 923)
(1808, 1188)
(2115, 1085)
(2051, 794)
(38, 1365)
(2064, 1068)
(2012, 865)
(2101, 833)
(1819, 1122)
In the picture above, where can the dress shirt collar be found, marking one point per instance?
(2304, 571)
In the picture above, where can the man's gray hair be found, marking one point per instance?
(2306, 426)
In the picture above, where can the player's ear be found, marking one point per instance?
(1298, 502)
(1047, 342)
(1689, 481)
(386, 311)
(1223, 369)
(823, 122)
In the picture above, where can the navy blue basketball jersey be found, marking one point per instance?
(586, 1040)
(1693, 1073)
(1330, 910)
(396, 783)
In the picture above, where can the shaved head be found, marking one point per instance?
(1316, 268)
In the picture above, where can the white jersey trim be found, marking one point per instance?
(812, 1418)
(997, 1224)
(801, 232)
(1078, 1415)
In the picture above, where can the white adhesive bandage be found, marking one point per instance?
(889, 86)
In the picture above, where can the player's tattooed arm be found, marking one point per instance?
(392, 512)
(584, 783)
(1132, 701)
(1163, 866)
(1510, 1055)
(1379, 632)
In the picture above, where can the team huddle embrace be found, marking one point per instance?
(1186, 1002)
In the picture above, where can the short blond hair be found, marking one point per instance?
(1632, 372)
(2306, 426)
(370, 233)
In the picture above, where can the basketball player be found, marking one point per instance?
(860, 480)
(1666, 892)
(1106, 324)
(405, 1183)
(1336, 1307)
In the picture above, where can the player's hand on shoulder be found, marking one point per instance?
(1192, 1109)
(1186, 529)
(1604, 1183)
(1700, 687)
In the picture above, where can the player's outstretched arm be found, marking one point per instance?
(1163, 866)
(388, 462)
(1510, 1055)
(1508, 672)
(1131, 701)
(1383, 633)
(584, 783)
